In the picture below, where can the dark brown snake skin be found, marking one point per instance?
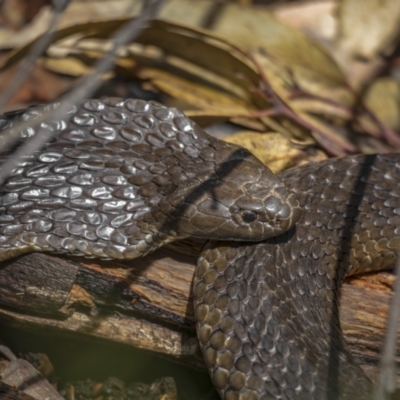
(123, 177)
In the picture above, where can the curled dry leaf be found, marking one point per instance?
(252, 69)
(77, 13)
(310, 65)
(368, 27)
(72, 66)
(198, 95)
(275, 150)
(316, 18)
(206, 58)
(383, 99)
(107, 27)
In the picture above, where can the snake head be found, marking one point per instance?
(241, 200)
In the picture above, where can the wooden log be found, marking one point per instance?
(146, 303)
(29, 383)
(8, 392)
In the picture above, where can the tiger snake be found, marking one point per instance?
(120, 178)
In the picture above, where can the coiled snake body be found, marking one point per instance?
(120, 178)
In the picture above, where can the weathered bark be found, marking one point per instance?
(8, 392)
(28, 383)
(146, 303)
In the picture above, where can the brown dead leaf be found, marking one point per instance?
(265, 75)
(368, 27)
(383, 99)
(77, 13)
(251, 28)
(199, 96)
(275, 150)
(71, 66)
(202, 49)
(315, 19)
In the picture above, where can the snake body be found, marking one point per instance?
(120, 178)
(267, 313)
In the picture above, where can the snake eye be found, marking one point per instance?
(248, 216)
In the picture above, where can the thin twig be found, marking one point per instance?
(391, 136)
(284, 109)
(280, 107)
(85, 88)
(37, 49)
(385, 133)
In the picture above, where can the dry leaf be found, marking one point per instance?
(368, 27)
(199, 96)
(291, 85)
(316, 19)
(77, 13)
(383, 99)
(275, 150)
(72, 66)
(255, 29)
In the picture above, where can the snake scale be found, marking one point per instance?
(120, 178)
